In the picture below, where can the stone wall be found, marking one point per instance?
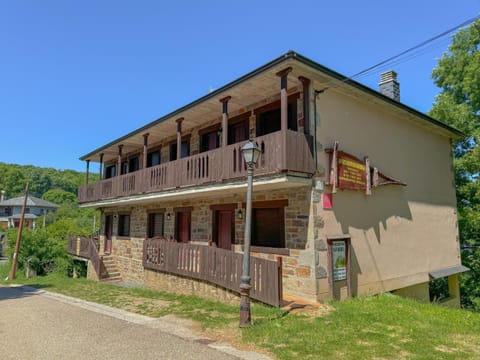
(300, 268)
(184, 286)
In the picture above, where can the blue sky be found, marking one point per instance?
(75, 75)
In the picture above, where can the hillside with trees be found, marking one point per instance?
(46, 247)
(14, 177)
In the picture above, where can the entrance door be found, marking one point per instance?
(108, 234)
(224, 228)
(183, 226)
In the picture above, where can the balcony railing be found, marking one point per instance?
(281, 151)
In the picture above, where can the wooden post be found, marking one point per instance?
(179, 138)
(368, 180)
(119, 160)
(306, 102)
(13, 270)
(101, 166)
(284, 97)
(224, 102)
(88, 172)
(145, 150)
(283, 74)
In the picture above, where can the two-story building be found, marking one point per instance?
(353, 190)
(11, 209)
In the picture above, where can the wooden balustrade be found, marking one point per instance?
(86, 248)
(225, 163)
(216, 266)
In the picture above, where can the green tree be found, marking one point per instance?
(458, 75)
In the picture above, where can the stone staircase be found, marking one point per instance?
(111, 274)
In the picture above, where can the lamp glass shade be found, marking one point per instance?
(250, 152)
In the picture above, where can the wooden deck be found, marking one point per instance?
(281, 151)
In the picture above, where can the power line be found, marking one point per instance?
(423, 43)
(413, 52)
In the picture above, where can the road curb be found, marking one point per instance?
(169, 324)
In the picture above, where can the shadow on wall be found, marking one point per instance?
(354, 209)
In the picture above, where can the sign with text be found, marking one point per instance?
(339, 260)
(351, 172)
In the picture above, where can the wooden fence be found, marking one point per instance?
(86, 248)
(215, 265)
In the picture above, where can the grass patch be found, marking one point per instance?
(380, 327)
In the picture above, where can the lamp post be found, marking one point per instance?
(250, 152)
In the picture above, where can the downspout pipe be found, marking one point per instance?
(316, 93)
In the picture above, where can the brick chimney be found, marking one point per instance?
(389, 85)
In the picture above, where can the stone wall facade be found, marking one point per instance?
(299, 264)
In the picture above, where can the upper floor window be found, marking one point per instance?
(27, 210)
(238, 129)
(153, 158)
(130, 165)
(123, 225)
(269, 117)
(184, 151)
(110, 171)
(210, 139)
(8, 211)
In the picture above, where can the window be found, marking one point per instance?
(238, 129)
(133, 164)
(269, 117)
(130, 165)
(155, 225)
(8, 211)
(268, 224)
(153, 158)
(123, 225)
(183, 220)
(27, 210)
(110, 171)
(209, 141)
(184, 151)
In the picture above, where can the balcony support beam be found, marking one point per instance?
(119, 160)
(179, 137)
(145, 150)
(306, 101)
(87, 174)
(284, 97)
(100, 170)
(224, 102)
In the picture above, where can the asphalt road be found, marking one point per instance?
(41, 325)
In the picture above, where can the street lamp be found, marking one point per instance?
(250, 152)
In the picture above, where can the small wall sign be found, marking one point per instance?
(339, 260)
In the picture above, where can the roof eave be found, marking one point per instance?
(289, 55)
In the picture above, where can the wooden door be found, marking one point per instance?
(183, 226)
(108, 234)
(224, 228)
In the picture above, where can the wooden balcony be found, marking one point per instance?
(281, 152)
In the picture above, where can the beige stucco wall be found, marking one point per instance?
(398, 234)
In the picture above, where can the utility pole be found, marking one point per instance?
(13, 270)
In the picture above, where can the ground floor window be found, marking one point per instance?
(124, 225)
(155, 224)
(268, 224)
(183, 219)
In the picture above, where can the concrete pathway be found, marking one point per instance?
(36, 324)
